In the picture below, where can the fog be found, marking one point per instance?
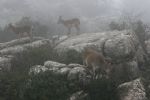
(92, 13)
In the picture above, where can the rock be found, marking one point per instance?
(53, 64)
(65, 70)
(132, 70)
(21, 48)
(80, 41)
(118, 45)
(57, 68)
(148, 46)
(125, 72)
(37, 69)
(18, 42)
(73, 72)
(80, 74)
(80, 95)
(133, 90)
(122, 47)
(75, 65)
(76, 73)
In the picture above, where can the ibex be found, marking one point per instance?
(96, 63)
(69, 24)
(21, 30)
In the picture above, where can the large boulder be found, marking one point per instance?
(125, 72)
(122, 47)
(133, 90)
(118, 45)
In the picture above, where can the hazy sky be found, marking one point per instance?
(12, 10)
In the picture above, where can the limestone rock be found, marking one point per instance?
(133, 90)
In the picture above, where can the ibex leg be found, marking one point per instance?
(69, 31)
(78, 29)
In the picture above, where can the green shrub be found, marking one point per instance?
(48, 86)
(71, 56)
(101, 89)
(34, 56)
(12, 82)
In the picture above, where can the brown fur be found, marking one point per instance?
(96, 61)
(75, 22)
(20, 30)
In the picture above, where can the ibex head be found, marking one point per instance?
(59, 20)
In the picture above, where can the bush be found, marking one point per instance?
(102, 89)
(48, 86)
(71, 56)
(14, 81)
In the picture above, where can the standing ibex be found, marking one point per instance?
(21, 30)
(96, 63)
(75, 22)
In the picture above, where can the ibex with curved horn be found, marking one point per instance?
(69, 24)
(96, 62)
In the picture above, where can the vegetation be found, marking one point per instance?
(71, 56)
(102, 89)
(48, 86)
(15, 85)
(13, 81)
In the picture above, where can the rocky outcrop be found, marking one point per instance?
(18, 42)
(8, 50)
(73, 72)
(133, 90)
(119, 45)
(122, 47)
(21, 48)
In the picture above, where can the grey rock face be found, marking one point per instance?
(126, 71)
(121, 46)
(118, 45)
(18, 42)
(21, 48)
(37, 69)
(74, 72)
(9, 49)
(133, 90)
(80, 95)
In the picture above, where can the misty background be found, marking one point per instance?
(94, 15)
